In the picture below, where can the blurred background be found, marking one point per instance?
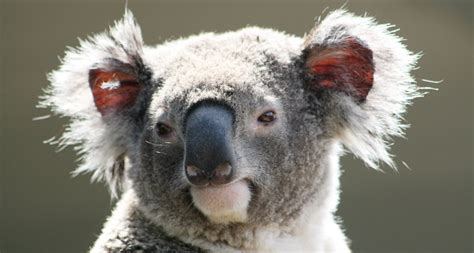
(427, 208)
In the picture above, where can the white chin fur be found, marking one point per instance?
(223, 204)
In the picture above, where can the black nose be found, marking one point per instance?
(208, 149)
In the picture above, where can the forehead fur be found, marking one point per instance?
(230, 61)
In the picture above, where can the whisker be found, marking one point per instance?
(157, 144)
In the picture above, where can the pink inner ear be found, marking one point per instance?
(108, 98)
(346, 66)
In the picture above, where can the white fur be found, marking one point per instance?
(110, 85)
(371, 124)
(69, 95)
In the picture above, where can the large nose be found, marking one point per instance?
(208, 149)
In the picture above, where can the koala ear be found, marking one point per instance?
(96, 87)
(346, 66)
(113, 90)
(360, 72)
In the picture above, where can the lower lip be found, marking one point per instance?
(227, 199)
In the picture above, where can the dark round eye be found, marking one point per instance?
(267, 117)
(163, 130)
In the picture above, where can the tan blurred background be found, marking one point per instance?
(425, 209)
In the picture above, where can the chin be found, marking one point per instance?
(223, 204)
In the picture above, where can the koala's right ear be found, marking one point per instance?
(98, 87)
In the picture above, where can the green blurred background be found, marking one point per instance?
(425, 209)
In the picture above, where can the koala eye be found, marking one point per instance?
(163, 129)
(267, 117)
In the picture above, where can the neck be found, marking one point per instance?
(309, 233)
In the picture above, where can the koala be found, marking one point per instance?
(231, 142)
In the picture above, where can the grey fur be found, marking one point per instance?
(293, 168)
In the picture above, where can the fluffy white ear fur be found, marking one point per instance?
(370, 125)
(102, 151)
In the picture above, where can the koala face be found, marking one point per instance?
(217, 134)
(220, 141)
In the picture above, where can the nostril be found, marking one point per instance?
(223, 170)
(222, 174)
(192, 171)
(196, 176)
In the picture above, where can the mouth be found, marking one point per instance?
(224, 203)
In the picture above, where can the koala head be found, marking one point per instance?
(227, 130)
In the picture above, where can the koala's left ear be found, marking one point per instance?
(361, 71)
